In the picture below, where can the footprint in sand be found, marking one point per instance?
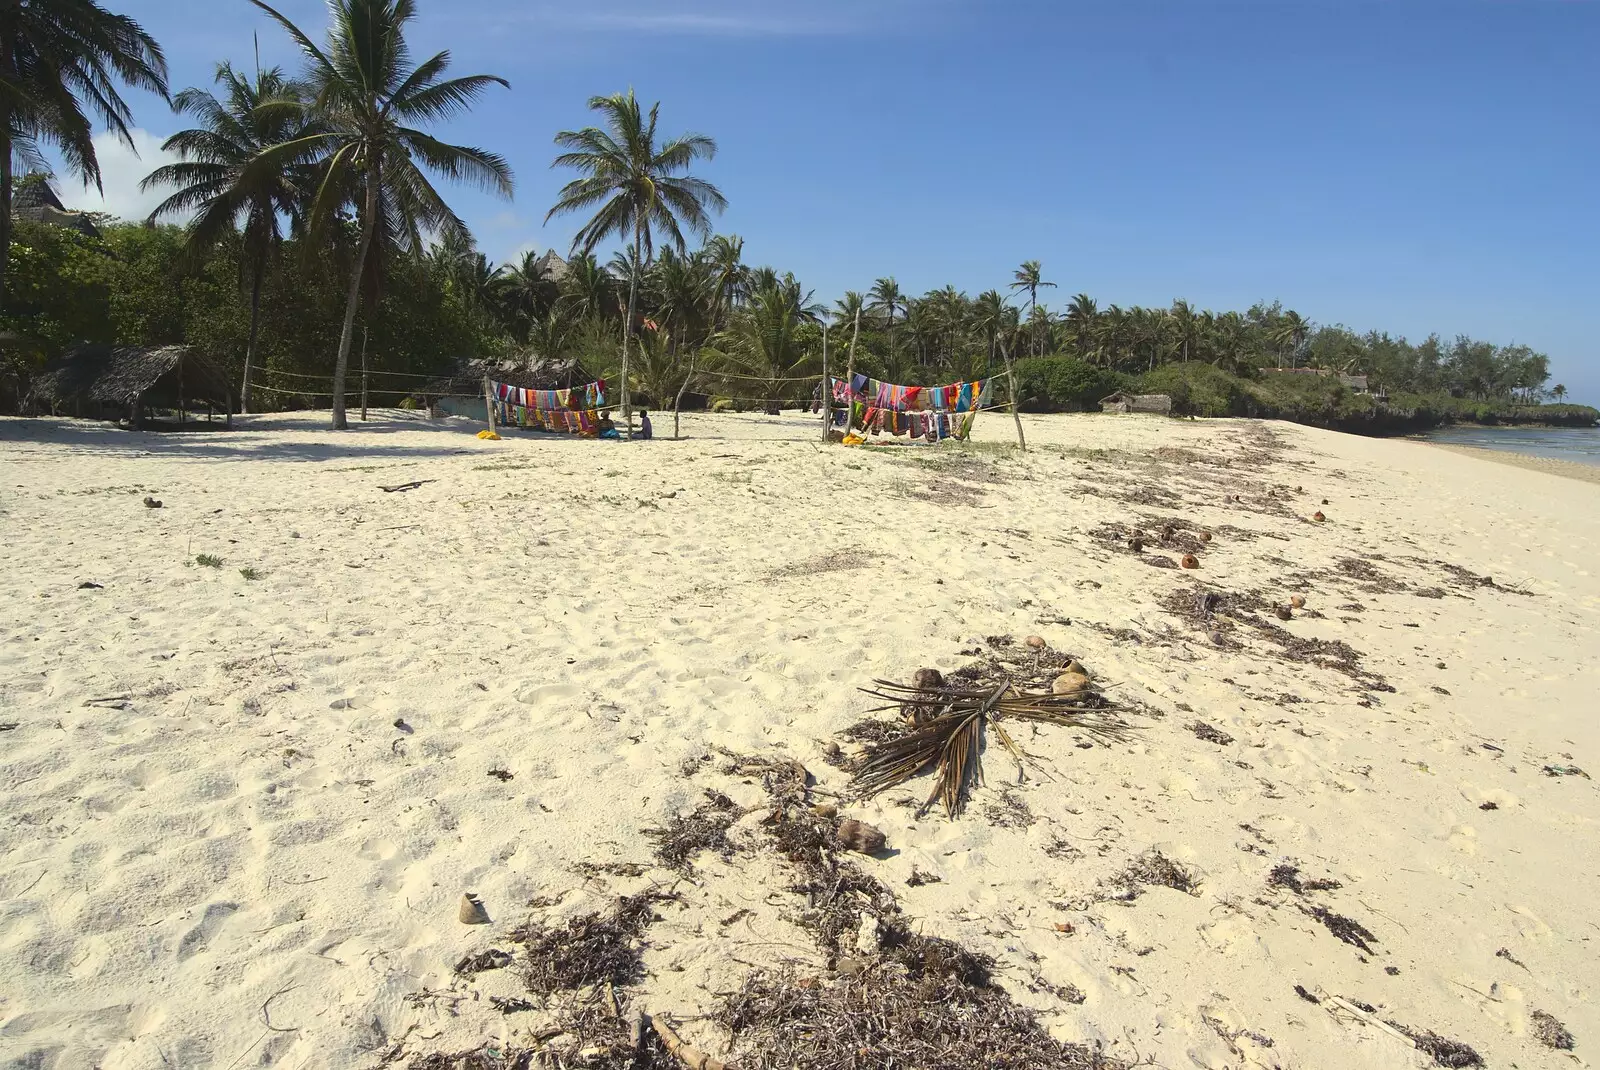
(195, 940)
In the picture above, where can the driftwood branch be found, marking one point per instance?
(688, 1055)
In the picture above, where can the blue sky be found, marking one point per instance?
(1410, 166)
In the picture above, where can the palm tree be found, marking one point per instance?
(768, 340)
(56, 56)
(1559, 392)
(1291, 332)
(989, 316)
(587, 289)
(1081, 314)
(1030, 277)
(225, 177)
(1188, 328)
(726, 254)
(887, 299)
(365, 89)
(525, 293)
(638, 188)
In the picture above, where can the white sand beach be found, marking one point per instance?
(239, 814)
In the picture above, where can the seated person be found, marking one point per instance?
(604, 428)
(645, 430)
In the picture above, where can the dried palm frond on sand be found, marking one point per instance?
(951, 740)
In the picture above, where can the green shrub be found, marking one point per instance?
(1056, 384)
(1198, 390)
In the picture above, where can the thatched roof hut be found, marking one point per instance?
(33, 201)
(461, 394)
(1122, 401)
(91, 379)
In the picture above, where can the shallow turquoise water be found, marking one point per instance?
(1563, 444)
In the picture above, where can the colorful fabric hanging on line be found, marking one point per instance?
(920, 412)
(574, 410)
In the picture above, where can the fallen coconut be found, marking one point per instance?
(1136, 544)
(1283, 612)
(1069, 683)
(1035, 642)
(1190, 561)
(471, 911)
(1205, 536)
(1318, 517)
(1298, 601)
(860, 836)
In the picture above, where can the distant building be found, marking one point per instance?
(33, 201)
(1122, 401)
(551, 266)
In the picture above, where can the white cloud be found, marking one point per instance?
(121, 169)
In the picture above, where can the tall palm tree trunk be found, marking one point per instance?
(255, 331)
(369, 225)
(5, 200)
(1033, 307)
(627, 328)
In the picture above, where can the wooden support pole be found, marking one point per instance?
(1011, 381)
(850, 374)
(827, 388)
(363, 374)
(677, 403)
(488, 403)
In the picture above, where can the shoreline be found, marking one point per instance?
(1583, 473)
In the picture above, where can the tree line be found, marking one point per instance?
(314, 231)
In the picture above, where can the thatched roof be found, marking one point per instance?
(36, 202)
(534, 373)
(552, 267)
(119, 375)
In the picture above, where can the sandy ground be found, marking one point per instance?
(237, 815)
(1589, 473)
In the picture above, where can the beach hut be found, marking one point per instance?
(461, 394)
(132, 382)
(1122, 401)
(33, 201)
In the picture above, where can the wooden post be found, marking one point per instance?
(363, 374)
(850, 374)
(180, 391)
(1011, 380)
(677, 403)
(827, 388)
(488, 403)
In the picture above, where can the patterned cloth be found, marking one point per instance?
(572, 411)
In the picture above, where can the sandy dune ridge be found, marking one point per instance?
(238, 814)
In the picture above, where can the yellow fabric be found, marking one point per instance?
(853, 440)
(489, 436)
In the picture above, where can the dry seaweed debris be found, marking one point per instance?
(1349, 930)
(952, 740)
(1287, 875)
(926, 1004)
(1210, 733)
(918, 1002)
(1550, 1032)
(588, 950)
(1153, 869)
(704, 829)
(1218, 613)
(1444, 1051)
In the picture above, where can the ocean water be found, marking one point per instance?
(1580, 444)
